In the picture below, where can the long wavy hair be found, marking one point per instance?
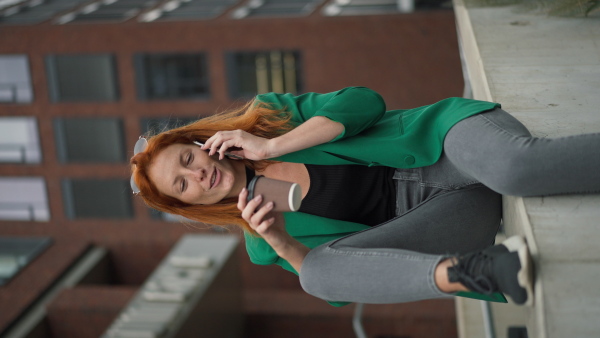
(256, 118)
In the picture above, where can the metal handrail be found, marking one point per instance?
(356, 321)
(20, 148)
(29, 207)
(13, 90)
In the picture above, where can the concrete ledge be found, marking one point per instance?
(546, 72)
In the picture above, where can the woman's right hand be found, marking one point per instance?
(239, 143)
(270, 226)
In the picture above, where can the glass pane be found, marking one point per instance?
(82, 77)
(173, 76)
(90, 198)
(19, 141)
(17, 252)
(24, 199)
(254, 73)
(15, 80)
(90, 140)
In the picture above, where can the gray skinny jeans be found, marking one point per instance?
(449, 208)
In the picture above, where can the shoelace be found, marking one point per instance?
(474, 272)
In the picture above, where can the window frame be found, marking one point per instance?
(62, 150)
(142, 78)
(233, 77)
(53, 78)
(69, 198)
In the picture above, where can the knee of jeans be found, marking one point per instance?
(313, 273)
(512, 176)
(308, 283)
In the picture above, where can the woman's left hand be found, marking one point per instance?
(270, 226)
(239, 143)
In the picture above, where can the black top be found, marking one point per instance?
(249, 175)
(353, 193)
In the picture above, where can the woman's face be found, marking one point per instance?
(186, 172)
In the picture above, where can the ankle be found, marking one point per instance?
(441, 277)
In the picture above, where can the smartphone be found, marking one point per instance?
(230, 155)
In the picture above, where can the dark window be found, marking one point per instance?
(82, 77)
(97, 198)
(171, 76)
(17, 252)
(252, 73)
(89, 140)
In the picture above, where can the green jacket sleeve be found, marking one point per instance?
(357, 108)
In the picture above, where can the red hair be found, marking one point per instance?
(256, 118)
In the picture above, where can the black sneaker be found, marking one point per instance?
(506, 268)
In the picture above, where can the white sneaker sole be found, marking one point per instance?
(525, 275)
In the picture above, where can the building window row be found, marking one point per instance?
(77, 140)
(94, 77)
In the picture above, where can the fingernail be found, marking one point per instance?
(258, 198)
(244, 189)
(270, 205)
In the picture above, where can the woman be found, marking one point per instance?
(397, 206)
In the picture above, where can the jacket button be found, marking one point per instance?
(410, 160)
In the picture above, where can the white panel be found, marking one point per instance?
(18, 195)
(14, 72)
(18, 132)
(13, 131)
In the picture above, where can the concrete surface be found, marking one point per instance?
(546, 72)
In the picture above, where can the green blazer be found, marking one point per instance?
(372, 137)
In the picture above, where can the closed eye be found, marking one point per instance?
(188, 161)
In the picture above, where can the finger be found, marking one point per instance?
(242, 197)
(215, 145)
(263, 228)
(210, 141)
(259, 215)
(215, 142)
(223, 148)
(251, 208)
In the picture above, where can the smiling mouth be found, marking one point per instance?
(213, 179)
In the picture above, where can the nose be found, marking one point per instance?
(199, 174)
